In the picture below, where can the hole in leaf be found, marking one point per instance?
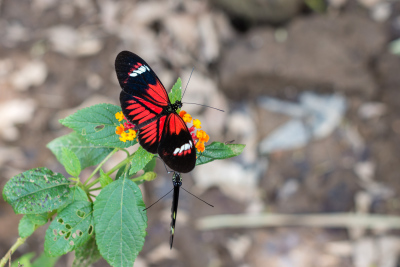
(55, 238)
(69, 227)
(99, 128)
(73, 235)
(83, 131)
(61, 232)
(67, 235)
(71, 243)
(55, 232)
(90, 231)
(79, 232)
(80, 213)
(60, 221)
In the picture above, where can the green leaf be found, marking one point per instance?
(24, 260)
(120, 173)
(97, 125)
(150, 165)
(87, 153)
(25, 227)
(217, 150)
(37, 191)
(120, 222)
(45, 261)
(140, 160)
(78, 194)
(176, 92)
(105, 179)
(70, 162)
(38, 219)
(72, 227)
(87, 254)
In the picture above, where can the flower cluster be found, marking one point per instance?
(200, 137)
(125, 131)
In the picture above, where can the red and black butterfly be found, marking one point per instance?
(145, 104)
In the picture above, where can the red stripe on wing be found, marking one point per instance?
(150, 135)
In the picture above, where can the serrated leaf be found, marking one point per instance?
(104, 179)
(24, 260)
(72, 227)
(87, 254)
(217, 150)
(25, 227)
(70, 162)
(120, 222)
(140, 160)
(37, 191)
(176, 92)
(45, 261)
(87, 153)
(97, 125)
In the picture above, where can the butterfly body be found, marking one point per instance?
(177, 182)
(145, 103)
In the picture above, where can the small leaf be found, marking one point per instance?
(45, 261)
(37, 191)
(97, 125)
(87, 254)
(72, 227)
(24, 260)
(70, 162)
(25, 227)
(140, 160)
(38, 219)
(217, 150)
(105, 179)
(120, 222)
(87, 153)
(150, 166)
(176, 92)
(120, 173)
(147, 176)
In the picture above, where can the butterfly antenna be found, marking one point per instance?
(187, 83)
(159, 199)
(198, 197)
(203, 106)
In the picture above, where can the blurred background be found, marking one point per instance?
(311, 87)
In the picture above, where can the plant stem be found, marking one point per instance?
(7, 257)
(100, 165)
(94, 189)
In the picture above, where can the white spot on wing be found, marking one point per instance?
(133, 74)
(176, 151)
(187, 147)
(190, 142)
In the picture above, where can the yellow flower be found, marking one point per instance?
(202, 136)
(123, 137)
(200, 146)
(119, 116)
(131, 135)
(187, 118)
(120, 129)
(197, 123)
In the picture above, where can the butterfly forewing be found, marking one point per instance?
(176, 146)
(137, 79)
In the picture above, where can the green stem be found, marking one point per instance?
(100, 165)
(7, 257)
(94, 189)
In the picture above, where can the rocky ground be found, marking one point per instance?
(311, 88)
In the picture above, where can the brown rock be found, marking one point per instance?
(320, 53)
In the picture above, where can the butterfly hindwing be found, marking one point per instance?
(150, 135)
(176, 146)
(136, 78)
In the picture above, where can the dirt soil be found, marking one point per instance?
(58, 56)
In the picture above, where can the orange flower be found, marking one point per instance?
(120, 129)
(187, 118)
(182, 113)
(200, 146)
(202, 136)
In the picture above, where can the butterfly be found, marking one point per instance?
(145, 103)
(177, 182)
